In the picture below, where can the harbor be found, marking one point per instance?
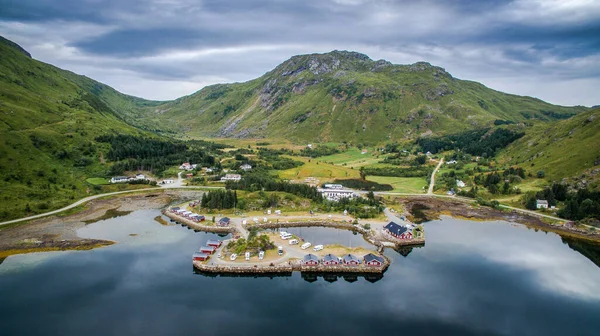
(264, 247)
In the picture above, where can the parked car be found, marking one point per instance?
(280, 250)
(261, 255)
(293, 241)
(247, 255)
(305, 245)
(233, 257)
(318, 248)
(286, 236)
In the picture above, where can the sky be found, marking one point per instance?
(164, 49)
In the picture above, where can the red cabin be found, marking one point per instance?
(373, 260)
(200, 256)
(310, 260)
(207, 249)
(214, 243)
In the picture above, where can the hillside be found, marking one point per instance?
(346, 96)
(48, 121)
(568, 148)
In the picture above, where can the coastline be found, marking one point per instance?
(58, 232)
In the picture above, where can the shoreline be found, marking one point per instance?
(52, 230)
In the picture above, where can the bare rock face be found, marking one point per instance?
(437, 92)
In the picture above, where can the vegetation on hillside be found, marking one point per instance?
(131, 153)
(482, 142)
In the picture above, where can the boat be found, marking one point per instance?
(233, 257)
(305, 245)
(261, 255)
(318, 248)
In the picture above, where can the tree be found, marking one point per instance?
(588, 208)
(362, 173)
(530, 201)
(541, 174)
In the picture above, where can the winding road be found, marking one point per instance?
(179, 185)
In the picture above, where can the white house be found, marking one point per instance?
(309, 146)
(451, 162)
(460, 184)
(541, 204)
(245, 167)
(333, 186)
(119, 179)
(231, 177)
(140, 177)
(187, 166)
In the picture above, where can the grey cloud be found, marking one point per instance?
(498, 38)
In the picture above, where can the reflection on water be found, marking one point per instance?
(471, 278)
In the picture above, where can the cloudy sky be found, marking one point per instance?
(163, 49)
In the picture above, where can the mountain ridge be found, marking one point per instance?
(307, 96)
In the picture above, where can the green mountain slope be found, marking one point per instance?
(568, 148)
(48, 120)
(345, 96)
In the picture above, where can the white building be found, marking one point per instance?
(140, 177)
(231, 177)
(187, 166)
(541, 204)
(119, 179)
(336, 194)
(245, 167)
(333, 186)
(460, 184)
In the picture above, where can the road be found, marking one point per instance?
(432, 182)
(177, 185)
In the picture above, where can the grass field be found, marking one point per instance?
(352, 158)
(320, 170)
(402, 184)
(97, 181)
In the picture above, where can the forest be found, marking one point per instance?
(156, 155)
(481, 142)
(219, 199)
(256, 181)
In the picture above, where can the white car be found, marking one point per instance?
(280, 250)
(305, 245)
(233, 257)
(261, 255)
(286, 236)
(247, 255)
(293, 241)
(318, 248)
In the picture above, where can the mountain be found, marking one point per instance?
(346, 96)
(567, 148)
(48, 121)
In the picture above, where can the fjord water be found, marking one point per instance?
(471, 278)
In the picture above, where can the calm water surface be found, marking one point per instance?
(471, 278)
